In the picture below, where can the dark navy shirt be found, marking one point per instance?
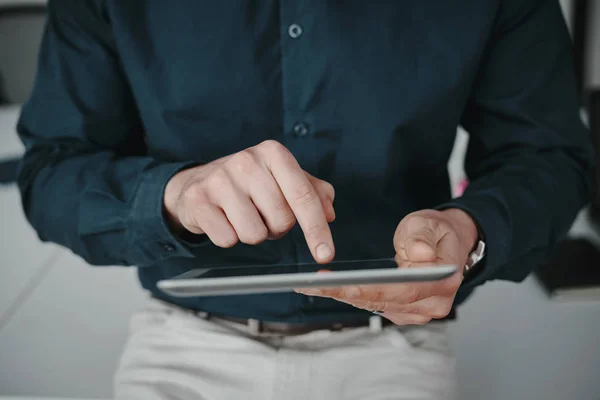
(366, 95)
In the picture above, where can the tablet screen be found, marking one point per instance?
(288, 268)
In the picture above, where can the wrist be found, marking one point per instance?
(465, 226)
(172, 196)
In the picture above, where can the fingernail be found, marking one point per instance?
(323, 252)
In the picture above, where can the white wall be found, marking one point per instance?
(568, 10)
(11, 2)
(592, 72)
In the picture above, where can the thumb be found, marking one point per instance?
(420, 245)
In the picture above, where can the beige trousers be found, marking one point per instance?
(173, 354)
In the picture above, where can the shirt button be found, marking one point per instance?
(168, 247)
(311, 300)
(295, 31)
(300, 129)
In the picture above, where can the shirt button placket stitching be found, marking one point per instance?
(300, 129)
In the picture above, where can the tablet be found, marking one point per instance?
(278, 278)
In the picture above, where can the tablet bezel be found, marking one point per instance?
(287, 282)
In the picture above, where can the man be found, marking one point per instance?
(172, 136)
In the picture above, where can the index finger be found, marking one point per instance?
(305, 204)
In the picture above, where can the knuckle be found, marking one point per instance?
(313, 231)
(283, 224)
(244, 161)
(282, 210)
(272, 146)
(304, 194)
(422, 233)
(195, 193)
(218, 180)
(226, 242)
(197, 214)
(281, 206)
(191, 225)
(434, 223)
(413, 217)
(257, 236)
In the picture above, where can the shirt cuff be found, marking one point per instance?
(485, 209)
(153, 239)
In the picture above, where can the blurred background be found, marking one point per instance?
(535, 340)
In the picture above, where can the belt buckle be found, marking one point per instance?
(375, 324)
(254, 326)
(337, 327)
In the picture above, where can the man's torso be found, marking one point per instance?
(367, 96)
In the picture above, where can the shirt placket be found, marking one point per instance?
(297, 34)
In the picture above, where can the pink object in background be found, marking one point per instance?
(461, 187)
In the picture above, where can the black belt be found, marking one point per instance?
(291, 329)
(288, 328)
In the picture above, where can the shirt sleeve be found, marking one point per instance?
(85, 180)
(529, 158)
